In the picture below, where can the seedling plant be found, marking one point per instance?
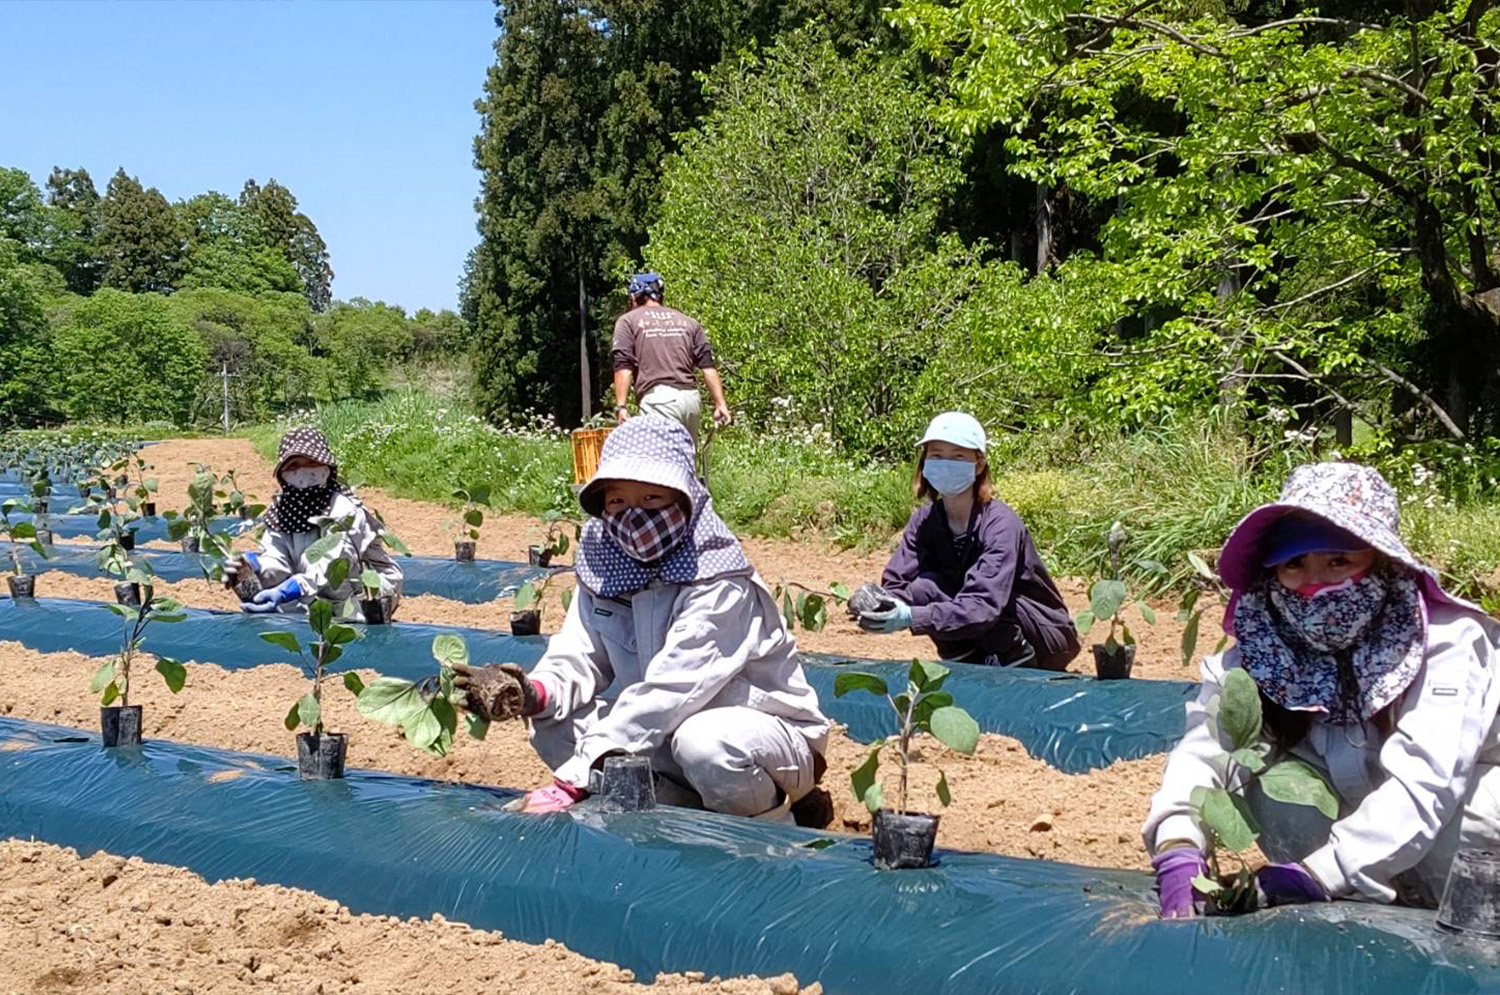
(809, 606)
(195, 522)
(1234, 715)
(144, 488)
(1108, 597)
(922, 707)
(1203, 580)
(555, 540)
(475, 498)
(112, 680)
(425, 711)
(315, 659)
(18, 534)
(234, 502)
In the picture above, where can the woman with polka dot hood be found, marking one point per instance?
(308, 474)
(669, 611)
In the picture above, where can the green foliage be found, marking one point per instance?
(363, 339)
(25, 363)
(808, 607)
(923, 707)
(140, 239)
(112, 680)
(18, 534)
(425, 711)
(1223, 812)
(473, 498)
(332, 636)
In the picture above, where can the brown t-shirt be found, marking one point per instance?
(662, 346)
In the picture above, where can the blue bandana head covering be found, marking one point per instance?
(653, 449)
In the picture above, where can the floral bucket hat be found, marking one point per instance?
(1349, 496)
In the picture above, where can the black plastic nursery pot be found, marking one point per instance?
(377, 611)
(148, 508)
(39, 506)
(903, 842)
(44, 536)
(627, 784)
(538, 557)
(190, 544)
(464, 551)
(321, 758)
(21, 587)
(120, 725)
(525, 623)
(1113, 663)
(1471, 898)
(128, 594)
(127, 540)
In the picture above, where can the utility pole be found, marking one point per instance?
(224, 376)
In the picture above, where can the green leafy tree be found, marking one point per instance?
(22, 218)
(72, 224)
(140, 238)
(363, 339)
(260, 340)
(283, 227)
(1301, 211)
(25, 362)
(227, 248)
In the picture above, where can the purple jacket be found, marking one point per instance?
(997, 576)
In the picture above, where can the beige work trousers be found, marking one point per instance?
(678, 403)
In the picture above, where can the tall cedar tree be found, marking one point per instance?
(139, 237)
(73, 225)
(288, 229)
(578, 113)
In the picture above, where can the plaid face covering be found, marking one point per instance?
(648, 534)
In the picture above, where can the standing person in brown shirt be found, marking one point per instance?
(659, 348)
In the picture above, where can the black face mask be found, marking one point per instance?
(295, 507)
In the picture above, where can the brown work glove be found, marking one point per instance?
(500, 691)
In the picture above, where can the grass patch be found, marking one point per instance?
(1175, 489)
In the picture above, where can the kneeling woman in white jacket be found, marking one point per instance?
(310, 489)
(670, 611)
(1367, 670)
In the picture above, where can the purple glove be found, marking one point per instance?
(1175, 870)
(1287, 884)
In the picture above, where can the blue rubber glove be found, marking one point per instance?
(893, 619)
(1287, 884)
(274, 597)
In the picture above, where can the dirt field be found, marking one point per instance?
(110, 926)
(505, 537)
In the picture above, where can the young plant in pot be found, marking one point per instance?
(120, 724)
(1114, 658)
(41, 493)
(18, 534)
(320, 754)
(809, 607)
(115, 518)
(904, 839)
(526, 618)
(142, 489)
(426, 711)
(1235, 719)
(465, 528)
(235, 503)
(376, 608)
(192, 527)
(554, 540)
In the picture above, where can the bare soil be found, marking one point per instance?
(1004, 800)
(810, 561)
(111, 926)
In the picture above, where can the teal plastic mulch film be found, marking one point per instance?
(673, 890)
(1076, 724)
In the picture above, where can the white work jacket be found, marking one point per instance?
(283, 555)
(1396, 791)
(674, 650)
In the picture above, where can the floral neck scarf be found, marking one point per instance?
(1347, 651)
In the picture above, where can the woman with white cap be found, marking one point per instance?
(966, 572)
(670, 611)
(1368, 671)
(310, 500)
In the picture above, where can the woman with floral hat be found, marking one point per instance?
(311, 501)
(670, 611)
(966, 572)
(1368, 671)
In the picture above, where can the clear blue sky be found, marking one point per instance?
(363, 108)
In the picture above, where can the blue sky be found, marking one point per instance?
(363, 108)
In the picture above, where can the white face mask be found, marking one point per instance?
(310, 476)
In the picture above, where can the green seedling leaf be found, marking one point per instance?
(1190, 638)
(338, 635)
(788, 610)
(812, 611)
(480, 493)
(1205, 885)
(394, 541)
(309, 711)
(528, 594)
(446, 717)
(821, 843)
(23, 530)
(1201, 567)
(337, 572)
(474, 518)
(331, 653)
(955, 729)
(921, 716)
(856, 681)
(927, 675)
(478, 726)
(1239, 710)
(390, 701)
(293, 716)
(173, 672)
(567, 599)
(285, 640)
(1228, 816)
(111, 693)
(840, 591)
(103, 677)
(1084, 621)
(320, 616)
(1106, 597)
(450, 650)
(874, 798)
(369, 579)
(1297, 783)
(354, 684)
(1147, 612)
(1126, 636)
(862, 779)
(944, 795)
(1249, 759)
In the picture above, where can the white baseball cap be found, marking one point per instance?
(956, 428)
